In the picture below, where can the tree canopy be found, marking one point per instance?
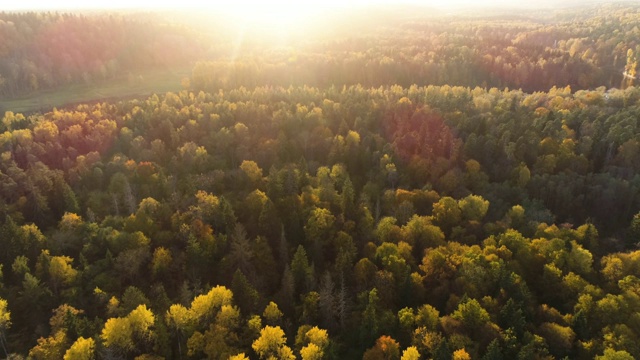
(377, 196)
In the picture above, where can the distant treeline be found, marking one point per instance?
(588, 50)
(592, 47)
(48, 50)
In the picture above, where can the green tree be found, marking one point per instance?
(471, 314)
(512, 316)
(301, 270)
(621, 337)
(240, 253)
(387, 230)
(269, 224)
(494, 351)
(246, 295)
(265, 265)
(427, 316)
(420, 233)
(559, 338)
(348, 196)
(370, 324)
(447, 213)
(132, 298)
(634, 230)
(442, 351)
(473, 207)
(611, 354)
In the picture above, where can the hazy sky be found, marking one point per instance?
(150, 4)
(83, 4)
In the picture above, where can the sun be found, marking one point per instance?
(274, 16)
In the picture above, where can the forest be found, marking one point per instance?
(434, 188)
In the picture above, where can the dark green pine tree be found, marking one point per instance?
(633, 237)
(269, 224)
(63, 198)
(511, 316)
(348, 200)
(300, 269)
(244, 294)
(442, 351)
(225, 219)
(580, 325)
(369, 324)
(494, 351)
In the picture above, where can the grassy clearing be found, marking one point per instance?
(155, 81)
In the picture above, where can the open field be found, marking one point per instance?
(153, 81)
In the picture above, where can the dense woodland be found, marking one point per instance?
(301, 208)
(583, 49)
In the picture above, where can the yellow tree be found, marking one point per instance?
(51, 347)
(411, 353)
(272, 344)
(161, 261)
(5, 324)
(318, 339)
(318, 230)
(117, 333)
(632, 64)
(240, 356)
(82, 349)
(179, 319)
(252, 171)
(61, 272)
(124, 334)
(272, 314)
(311, 352)
(209, 325)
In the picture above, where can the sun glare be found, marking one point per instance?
(262, 13)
